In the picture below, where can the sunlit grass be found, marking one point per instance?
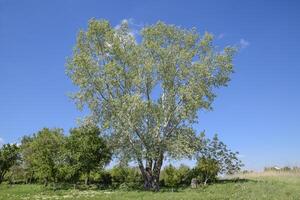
(265, 186)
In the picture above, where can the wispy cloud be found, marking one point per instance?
(244, 43)
(133, 25)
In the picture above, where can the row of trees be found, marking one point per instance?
(50, 156)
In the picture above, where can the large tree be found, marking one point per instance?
(146, 91)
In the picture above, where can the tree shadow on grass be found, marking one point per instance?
(234, 180)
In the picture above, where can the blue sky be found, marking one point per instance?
(258, 114)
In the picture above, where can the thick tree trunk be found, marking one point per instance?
(151, 173)
(156, 172)
(147, 179)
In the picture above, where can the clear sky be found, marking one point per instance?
(258, 114)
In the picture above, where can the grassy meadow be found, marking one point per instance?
(265, 185)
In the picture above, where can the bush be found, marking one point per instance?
(171, 176)
(15, 175)
(102, 178)
(206, 170)
(126, 177)
(175, 177)
(185, 175)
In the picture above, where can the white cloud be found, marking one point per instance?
(134, 27)
(243, 43)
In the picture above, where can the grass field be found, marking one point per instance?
(269, 185)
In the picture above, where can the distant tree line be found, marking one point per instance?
(80, 157)
(283, 169)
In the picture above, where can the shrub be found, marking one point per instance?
(124, 174)
(171, 177)
(206, 170)
(185, 175)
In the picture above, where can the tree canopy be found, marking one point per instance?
(146, 92)
(46, 147)
(85, 151)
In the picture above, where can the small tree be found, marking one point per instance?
(184, 173)
(26, 158)
(85, 151)
(207, 170)
(9, 154)
(216, 151)
(46, 147)
(171, 176)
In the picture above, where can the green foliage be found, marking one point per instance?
(103, 178)
(175, 177)
(16, 174)
(116, 76)
(227, 161)
(51, 156)
(126, 177)
(27, 160)
(171, 176)
(46, 148)
(85, 151)
(185, 175)
(206, 170)
(9, 154)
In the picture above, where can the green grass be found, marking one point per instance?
(254, 187)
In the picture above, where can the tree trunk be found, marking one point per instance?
(148, 179)
(46, 182)
(31, 177)
(205, 181)
(151, 176)
(156, 173)
(87, 178)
